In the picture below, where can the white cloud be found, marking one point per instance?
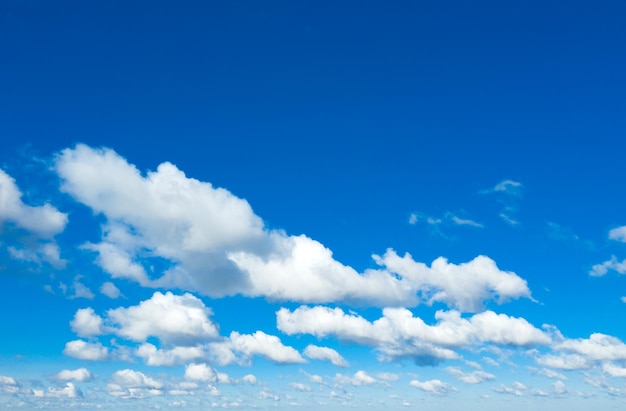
(613, 370)
(78, 375)
(387, 376)
(259, 343)
(42, 252)
(465, 221)
(618, 234)
(44, 220)
(465, 286)
(601, 269)
(215, 244)
(8, 385)
(68, 391)
(86, 351)
(559, 388)
(304, 270)
(134, 379)
(86, 323)
(300, 387)
(598, 347)
(110, 290)
(564, 361)
(508, 186)
(250, 379)
(200, 372)
(324, 353)
(517, 389)
(168, 357)
(474, 377)
(118, 262)
(398, 334)
(436, 387)
(551, 374)
(360, 378)
(173, 319)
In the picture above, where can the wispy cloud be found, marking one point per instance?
(508, 193)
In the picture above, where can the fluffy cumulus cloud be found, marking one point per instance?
(129, 383)
(324, 353)
(168, 356)
(86, 323)
(242, 347)
(213, 243)
(465, 286)
(85, 350)
(398, 334)
(200, 372)
(359, 378)
(44, 220)
(176, 319)
(78, 375)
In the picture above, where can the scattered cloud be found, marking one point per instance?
(44, 220)
(324, 353)
(398, 334)
(613, 264)
(110, 290)
(242, 347)
(473, 377)
(360, 378)
(78, 375)
(436, 387)
(618, 234)
(86, 351)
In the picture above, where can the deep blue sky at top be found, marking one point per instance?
(369, 109)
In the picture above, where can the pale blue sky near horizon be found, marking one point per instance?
(312, 204)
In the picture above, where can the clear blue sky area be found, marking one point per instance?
(312, 205)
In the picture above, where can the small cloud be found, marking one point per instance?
(558, 232)
(618, 234)
(464, 221)
(623, 299)
(78, 375)
(110, 290)
(508, 219)
(613, 264)
(436, 387)
(324, 353)
(300, 387)
(508, 186)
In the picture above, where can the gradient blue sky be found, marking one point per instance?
(312, 205)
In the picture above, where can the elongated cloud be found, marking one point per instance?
(215, 244)
(398, 334)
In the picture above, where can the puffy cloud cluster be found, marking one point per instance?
(215, 244)
(584, 353)
(129, 383)
(465, 286)
(180, 322)
(398, 334)
(359, 379)
(78, 375)
(242, 347)
(86, 351)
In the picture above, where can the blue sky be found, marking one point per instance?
(312, 205)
